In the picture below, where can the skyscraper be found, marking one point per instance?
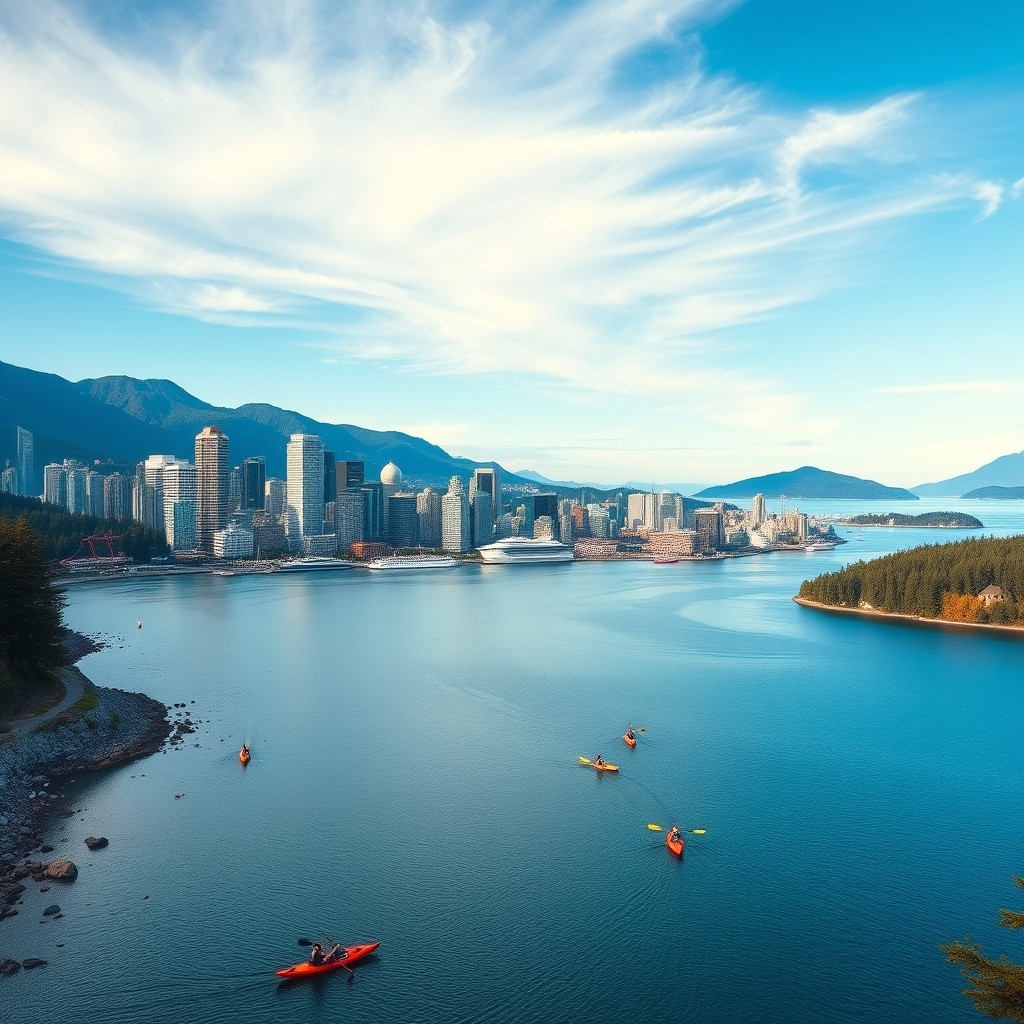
(758, 513)
(305, 509)
(428, 507)
(403, 521)
(330, 477)
(211, 485)
(348, 474)
(55, 485)
(455, 530)
(179, 489)
(485, 498)
(254, 482)
(26, 464)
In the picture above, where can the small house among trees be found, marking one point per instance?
(991, 594)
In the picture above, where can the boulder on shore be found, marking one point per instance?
(96, 842)
(62, 870)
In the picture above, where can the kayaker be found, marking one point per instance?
(244, 753)
(317, 957)
(599, 759)
(629, 734)
(673, 834)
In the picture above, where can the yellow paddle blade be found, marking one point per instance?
(699, 831)
(655, 828)
(584, 760)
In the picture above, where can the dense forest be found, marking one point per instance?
(949, 520)
(61, 532)
(31, 610)
(940, 581)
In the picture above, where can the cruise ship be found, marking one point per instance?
(413, 562)
(514, 550)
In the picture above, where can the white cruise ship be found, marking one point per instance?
(413, 562)
(514, 550)
(312, 565)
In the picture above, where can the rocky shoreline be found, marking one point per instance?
(107, 728)
(1013, 632)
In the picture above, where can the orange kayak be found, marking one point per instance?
(630, 741)
(675, 845)
(599, 767)
(243, 756)
(307, 970)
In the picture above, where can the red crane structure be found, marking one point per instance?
(102, 558)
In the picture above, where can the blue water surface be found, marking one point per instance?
(415, 779)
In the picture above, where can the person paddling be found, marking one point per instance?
(599, 760)
(317, 957)
(244, 753)
(629, 733)
(674, 835)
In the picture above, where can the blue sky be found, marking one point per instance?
(672, 240)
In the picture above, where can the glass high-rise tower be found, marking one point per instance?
(212, 506)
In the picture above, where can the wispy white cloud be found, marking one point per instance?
(960, 387)
(454, 194)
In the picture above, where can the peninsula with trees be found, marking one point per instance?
(978, 581)
(940, 520)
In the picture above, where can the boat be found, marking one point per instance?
(244, 755)
(820, 545)
(413, 562)
(599, 767)
(630, 741)
(675, 845)
(312, 565)
(665, 560)
(513, 550)
(307, 970)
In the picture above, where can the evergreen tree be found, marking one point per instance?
(996, 986)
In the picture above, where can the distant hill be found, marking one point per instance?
(808, 482)
(1006, 471)
(125, 420)
(1006, 493)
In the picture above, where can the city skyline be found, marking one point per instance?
(606, 242)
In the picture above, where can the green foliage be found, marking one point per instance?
(915, 582)
(996, 986)
(61, 531)
(31, 631)
(949, 520)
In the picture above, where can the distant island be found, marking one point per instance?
(1005, 472)
(809, 482)
(942, 520)
(1005, 493)
(978, 581)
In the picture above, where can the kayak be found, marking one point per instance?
(243, 756)
(307, 970)
(675, 845)
(630, 741)
(600, 767)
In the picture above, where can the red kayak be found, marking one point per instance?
(307, 970)
(630, 740)
(675, 845)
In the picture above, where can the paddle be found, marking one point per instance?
(308, 942)
(661, 828)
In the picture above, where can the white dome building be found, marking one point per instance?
(391, 476)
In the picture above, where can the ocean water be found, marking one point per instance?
(415, 779)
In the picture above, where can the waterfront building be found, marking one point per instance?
(486, 480)
(254, 482)
(330, 478)
(543, 505)
(640, 511)
(670, 506)
(268, 534)
(544, 528)
(675, 542)
(455, 526)
(482, 518)
(55, 485)
(319, 544)
(9, 479)
(373, 506)
(403, 520)
(758, 516)
(180, 487)
(580, 521)
(305, 508)
(348, 475)
(710, 528)
(349, 518)
(75, 475)
(507, 525)
(212, 509)
(26, 464)
(565, 520)
(428, 508)
(599, 521)
(275, 497)
(183, 525)
(94, 493)
(233, 541)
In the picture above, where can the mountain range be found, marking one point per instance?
(122, 420)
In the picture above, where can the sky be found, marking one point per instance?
(603, 240)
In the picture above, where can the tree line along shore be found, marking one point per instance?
(976, 581)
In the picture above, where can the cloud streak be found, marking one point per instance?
(470, 194)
